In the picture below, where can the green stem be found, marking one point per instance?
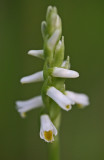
(54, 150)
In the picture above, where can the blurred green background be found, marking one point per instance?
(82, 131)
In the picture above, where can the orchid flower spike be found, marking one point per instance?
(47, 129)
(56, 69)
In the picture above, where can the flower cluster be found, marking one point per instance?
(54, 96)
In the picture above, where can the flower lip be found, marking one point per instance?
(47, 129)
(48, 135)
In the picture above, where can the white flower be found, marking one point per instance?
(79, 98)
(36, 77)
(64, 73)
(27, 105)
(36, 53)
(61, 99)
(47, 129)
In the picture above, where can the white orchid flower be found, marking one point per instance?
(27, 105)
(78, 98)
(47, 129)
(62, 100)
(37, 53)
(36, 77)
(64, 73)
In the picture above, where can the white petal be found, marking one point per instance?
(53, 39)
(54, 130)
(78, 98)
(24, 106)
(36, 53)
(48, 127)
(64, 73)
(61, 99)
(36, 77)
(46, 123)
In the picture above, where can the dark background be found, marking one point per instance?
(82, 131)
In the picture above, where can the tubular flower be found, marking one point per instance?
(64, 73)
(36, 53)
(47, 129)
(36, 77)
(78, 98)
(24, 106)
(61, 99)
(53, 96)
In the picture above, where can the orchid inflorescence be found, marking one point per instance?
(54, 96)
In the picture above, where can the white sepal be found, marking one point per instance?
(27, 105)
(53, 39)
(64, 73)
(66, 63)
(61, 99)
(63, 64)
(36, 53)
(47, 129)
(36, 77)
(79, 98)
